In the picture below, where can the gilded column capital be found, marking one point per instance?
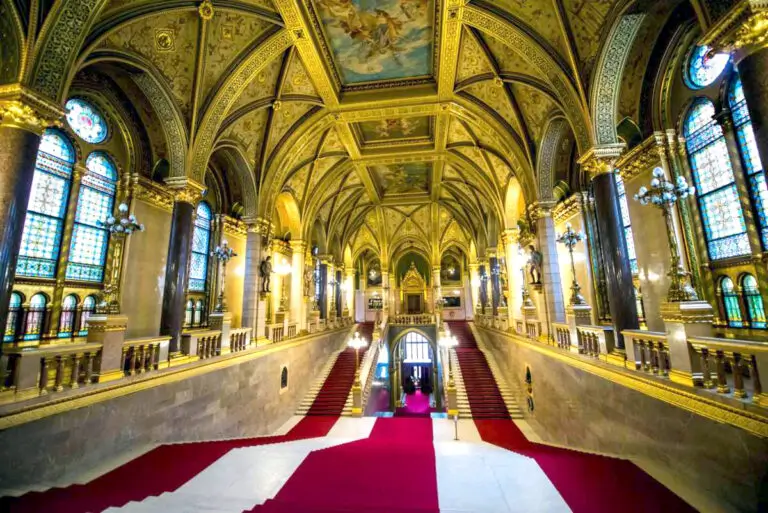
(185, 190)
(540, 209)
(741, 32)
(23, 109)
(569, 208)
(326, 259)
(600, 160)
(643, 157)
(298, 246)
(510, 236)
(153, 193)
(258, 224)
(280, 246)
(233, 227)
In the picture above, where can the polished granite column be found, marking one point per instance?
(493, 263)
(753, 70)
(177, 264)
(258, 231)
(482, 275)
(620, 288)
(337, 292)
(323, 299)
(20, 131)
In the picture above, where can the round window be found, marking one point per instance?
(86, 121)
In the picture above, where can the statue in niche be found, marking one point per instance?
(266, 274)
(535, 265)
(309, 280)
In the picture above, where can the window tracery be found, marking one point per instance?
(703, 69)
(86, 121)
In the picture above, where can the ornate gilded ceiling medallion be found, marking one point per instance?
(377, 41)
(165, 40)
(408, 178)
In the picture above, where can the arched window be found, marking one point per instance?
(703, 69)
(625, 220)
(35, 317)
(753, 167)
(44, 223)
(730, 303)
(723, 219)
(86, 121)
(201, 242)
(68, 313)
(417, 349)
(198, 318)
(95, 204)
(89, 306)
(753, 301)
(14, 315)
(284, 378)
(189, 312)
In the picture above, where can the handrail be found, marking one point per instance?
(146, 340)
(730, 344)
(367, 374)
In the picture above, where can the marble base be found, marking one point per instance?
(109, 331)
(684, 320)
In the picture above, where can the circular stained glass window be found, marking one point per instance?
(86, 121)
(703, 69)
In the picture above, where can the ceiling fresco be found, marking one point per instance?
(378, 40)
(391, 130)
(408, 178)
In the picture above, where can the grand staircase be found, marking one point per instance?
(486, 400)
(332, 396)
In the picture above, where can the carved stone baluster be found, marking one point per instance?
(738, 379)
(156, 357)
(654, 358)
(132, 366)
(88, 368)
(722, 382)
(60, 360)
(149, 352)
(664, 355)
(757, 388)
(706, 374)
(73, 382)
(43, 376)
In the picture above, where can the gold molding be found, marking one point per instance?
(233, 227)
(742, 31)
(152, 193)
(642, 157)
(689, 401)
(600, 160)
(567, 209)
(185, 190)
(23, 109)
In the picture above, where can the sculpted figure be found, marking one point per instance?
(266, 274)
(535, 265)
(309, 279)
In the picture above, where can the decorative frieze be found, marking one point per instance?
(567, 209)
(742, 31)
(23, 109)
(152, 193)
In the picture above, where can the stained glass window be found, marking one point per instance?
(44, 223)
(625, 220)
(754, 302)
(67, 319)
(723, 219)
(189, 310)
(201, 242)
(417, 348)
(704, 69)
(12, 321)
(731, 303)
(86, 121)
(95, 203)
(198, 319)
(89, 306)
(35, 317)
(750, 157)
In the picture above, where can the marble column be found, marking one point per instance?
(753, 69)
(323, 299)
(474, 287)
(618, 273)
(437, 291)
(482, 276)
(551, 282)
(258, 231)
(349, 284)
(493, 264)
(298, 257)
(186, 195)
(20, 129)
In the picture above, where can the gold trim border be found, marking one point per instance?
(713, 410)
(38, 412)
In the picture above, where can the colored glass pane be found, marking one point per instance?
(626, 222)
(750, 156)
(754, 302)
(67, 319)
(95, 204)
(731, 303)
(86, 121)
(703, 69)
(43, 225)
(719, 203)
(14, 307)
(201, 241)
(35, 315)
(89, 306)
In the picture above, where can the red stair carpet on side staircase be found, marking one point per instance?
(333, 395)
(392, 471)
(163, 469)
(588, 483)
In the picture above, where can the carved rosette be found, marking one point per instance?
(206, 10)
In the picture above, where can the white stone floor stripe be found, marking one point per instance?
(289, 424)
(444, 430)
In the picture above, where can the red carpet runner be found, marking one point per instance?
(163, 469)
(416, 405)
(589, 483)
(392, 471)
(485, 401)
(332, 397)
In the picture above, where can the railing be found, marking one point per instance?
(533, 328)
(647, 351)
(411, 319)
(562, 335)
(143, 354)
(52, 368)
(275, 332)
(201, 343)
(239, 339)
(291, 330)
(595, 340)
(743, 358)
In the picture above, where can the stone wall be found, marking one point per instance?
(716, 467)
(240, 400)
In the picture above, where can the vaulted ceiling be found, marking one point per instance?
(387, 121)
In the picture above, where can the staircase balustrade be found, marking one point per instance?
(595, 340)
(142, 355)
(413, 319)
(562, 335)
(239, 339)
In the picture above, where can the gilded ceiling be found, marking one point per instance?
(388, 122)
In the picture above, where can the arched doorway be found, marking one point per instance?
(415, 375)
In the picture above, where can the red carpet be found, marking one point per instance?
(332, 397)
(163, 469)
(589, 483)
(485, 401)
(392, 471)
(416, 405)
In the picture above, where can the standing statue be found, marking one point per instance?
(309, 279)
(535, 265)
(266, 274)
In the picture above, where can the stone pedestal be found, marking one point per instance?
(109, 331)
(222, 321)
(260, 333)
(357, 401)
(682, 320)
(577, 315)
(452, 408)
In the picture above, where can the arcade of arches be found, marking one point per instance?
(565, 199)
